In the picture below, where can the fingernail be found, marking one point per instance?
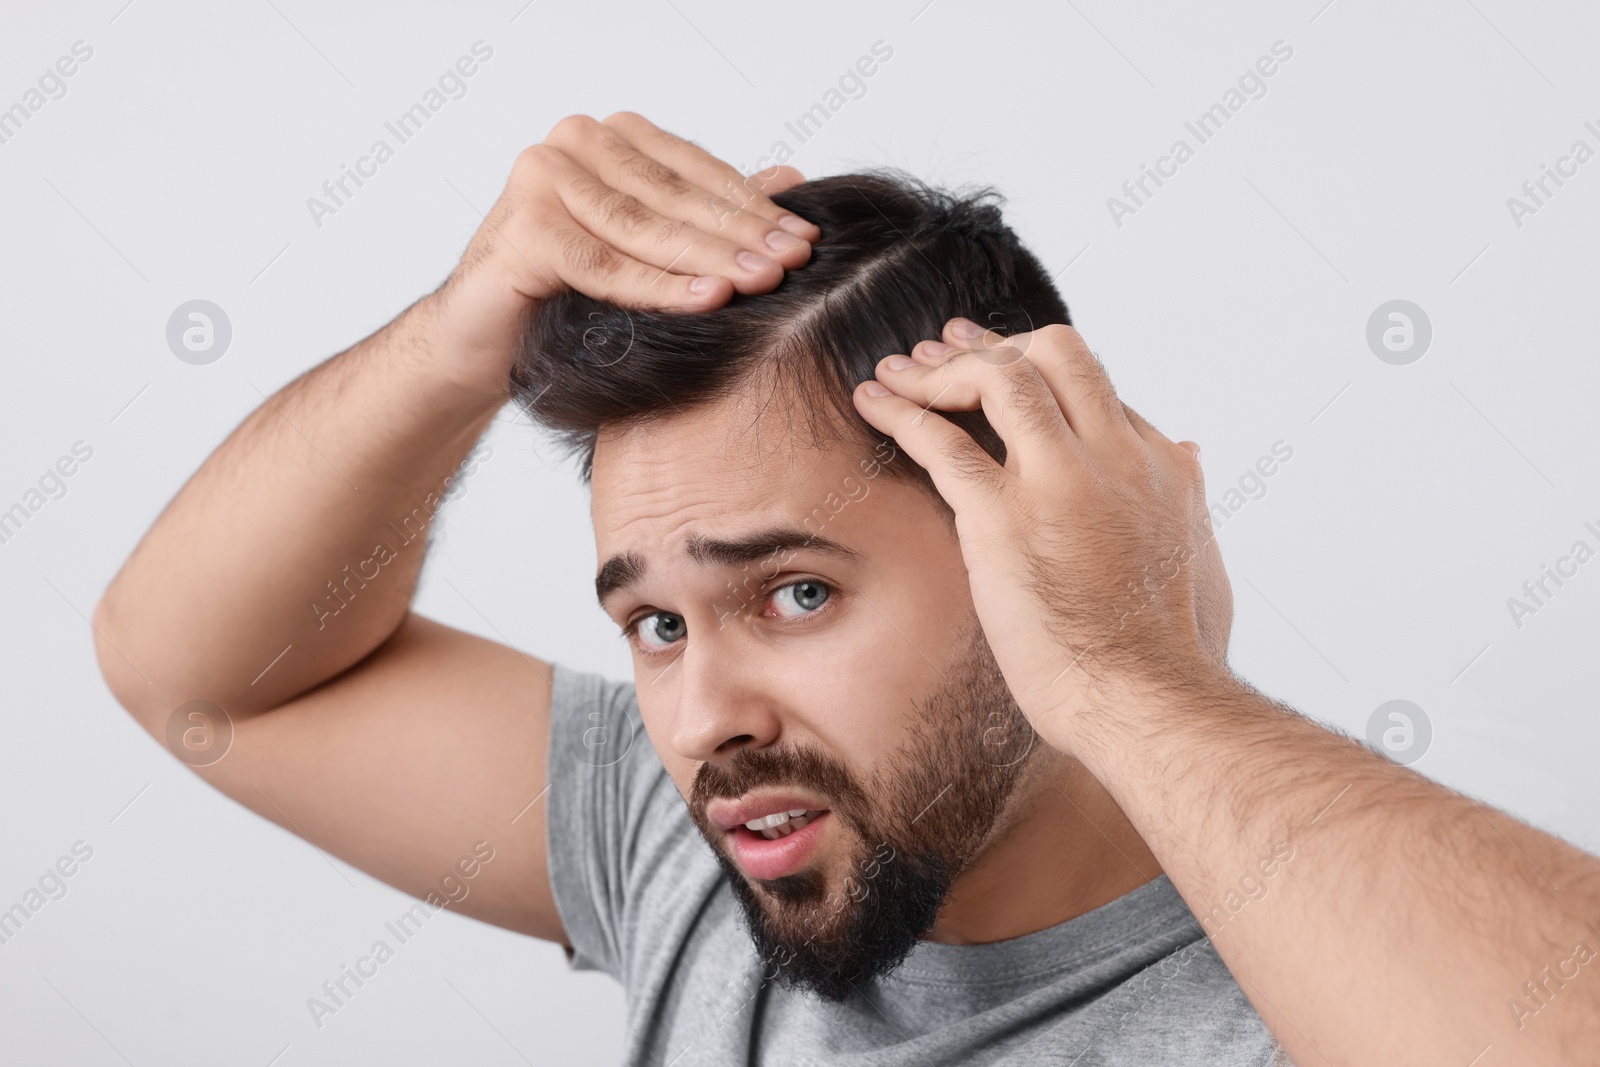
(779, 241)
(752, 262)
(875, 389)
(703, 284)
(794, 224)
(937, 348)
(965, 328)
(899, 362)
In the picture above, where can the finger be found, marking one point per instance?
(776, 179)
(1144, 428)
(606, 178)
(1076, 377)
(1014, 398)
(745, 202)
(1158, 442)
(1053, 350)
(706, 170)
(670, 244)
(691, 267)
(965, 475)
(600, 270)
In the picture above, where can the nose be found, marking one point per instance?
(724, 705)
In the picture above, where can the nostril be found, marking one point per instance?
(736, 742)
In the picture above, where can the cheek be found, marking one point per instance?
(921, 619)
(860, 700)
(909, 624)
(857, 706)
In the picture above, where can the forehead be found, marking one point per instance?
(748, 460)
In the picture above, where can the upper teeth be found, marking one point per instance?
(777, 818)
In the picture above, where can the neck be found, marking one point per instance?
(1062, 848)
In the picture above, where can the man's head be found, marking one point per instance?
(802, 628)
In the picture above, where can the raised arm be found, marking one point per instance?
(276, 585)
(1371, 915)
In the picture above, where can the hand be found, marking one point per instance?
(1093, 567)
(620, 210)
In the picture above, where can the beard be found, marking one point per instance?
(916, 825)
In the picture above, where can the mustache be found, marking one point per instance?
(796, 766)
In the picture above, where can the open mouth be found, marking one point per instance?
(782, 845)
(782, 823)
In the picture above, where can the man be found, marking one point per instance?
(932, 753)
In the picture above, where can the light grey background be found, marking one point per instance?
(1231, 308)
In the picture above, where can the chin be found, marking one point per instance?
(830, 936)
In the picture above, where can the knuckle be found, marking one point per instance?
(631, 215)
(617, 208)
(574, 129)
(962, 457)
(632, 124)
(655, 173)
(535, 159)
(1027, 397)
(670, 231)
(1188, 463)
(1089, 379)
(1001, 352)
(587, 256)
(1060, 333)
(717, 208)
(746, 187)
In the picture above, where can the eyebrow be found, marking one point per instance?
(628, 568)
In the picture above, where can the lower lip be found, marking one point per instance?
(762, 859)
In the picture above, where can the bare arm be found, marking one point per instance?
(1400, 922)
(277, 583)
(1408, 924)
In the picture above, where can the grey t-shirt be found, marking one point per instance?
(641, 897)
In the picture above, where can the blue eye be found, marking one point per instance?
(800, 598)
(658, 631)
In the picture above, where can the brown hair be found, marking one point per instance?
(896, 260)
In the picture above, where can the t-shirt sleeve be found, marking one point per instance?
(608, 795)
